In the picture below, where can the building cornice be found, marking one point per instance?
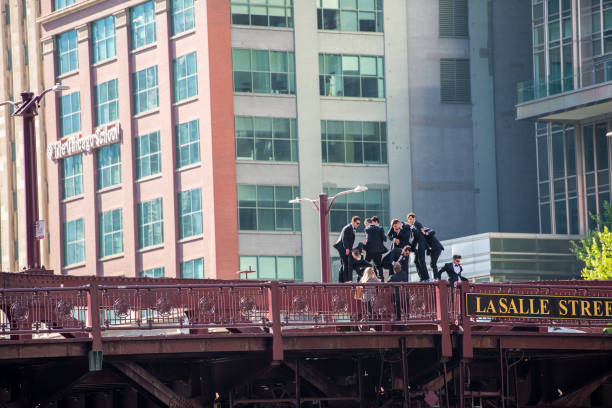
(78, 6)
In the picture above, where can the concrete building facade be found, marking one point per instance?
(204, 118)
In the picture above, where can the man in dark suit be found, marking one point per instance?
(453, 270)
(399, 234)
(418, 245)
(374, 244)
(344, 246)
(401, 268)
(434, 249)
(357, 264)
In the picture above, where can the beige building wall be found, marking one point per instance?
(21, 67)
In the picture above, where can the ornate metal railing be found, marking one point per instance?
(44, 310)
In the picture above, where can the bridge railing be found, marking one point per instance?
(44, 310)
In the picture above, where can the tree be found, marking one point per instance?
(596, 249)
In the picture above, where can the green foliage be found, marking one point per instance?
(596, 249)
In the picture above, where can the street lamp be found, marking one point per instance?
(323, 205)
(27, 108)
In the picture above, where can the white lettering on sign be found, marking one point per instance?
(78, 143)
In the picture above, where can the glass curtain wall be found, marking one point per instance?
(596, 168)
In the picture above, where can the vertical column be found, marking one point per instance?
(19, 85)
(34, 72)
(306, 44)
(127, 150)
(164, 72)
(583, 224)
(53, 168)
(222, 135)
(399, 133)
(6, 165)
(89, 160)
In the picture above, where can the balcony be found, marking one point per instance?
(571, 98)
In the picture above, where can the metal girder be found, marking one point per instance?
(576, 397)
(316, 378)
(154, 386)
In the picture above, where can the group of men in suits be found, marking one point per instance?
(405, 237)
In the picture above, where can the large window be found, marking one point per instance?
(74, 242)
(67, 56)
(283, 268)
(193, 269)
(152, 273)
(597, 168)
(354, 142)
(185, 77)
(267, 13)
(150, 223)
(266, 139)
(109, 166)
(148, 155)
(350, 15)
(70, 113)
(351, 75)
(367, 204)
(107, 102)
(111, 232)
(142, 20)
(182, 16)
(263, 71)
(455, 80)
(145, 90)
(453, 18)
(57, 5)
(104, 44)
(190, 213)
(267, 208)
(187, 143)
(72, 176)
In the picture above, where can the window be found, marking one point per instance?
(267, 208)
(9, 59)
(187, 143)
(351, 75)
(350, 15)
(145, 90)
(60, 4)
(104, 45)
(110, 224)
(262, 71)
(109, 166)
(153, 273)
(26, 57)
(70, 113)
(267, 13)
(150, 223)
(185, 77)
(266, 139)
(67, 58)
(283, 268)
(7, 10)
(455, 81)
(142, 20)
(453, 18)
(367, 204)
(148, 155)
(354, 142)
(72, 176)
(182, 16)
(74, 242)
(190, 213)
(106, 102)
(193, 269)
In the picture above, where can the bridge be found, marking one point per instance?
(69, 341)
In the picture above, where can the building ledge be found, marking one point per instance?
(572, 106)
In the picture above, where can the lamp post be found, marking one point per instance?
(323, 205)
(27, 108)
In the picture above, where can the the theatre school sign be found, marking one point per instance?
(538, 306)
(78, 143)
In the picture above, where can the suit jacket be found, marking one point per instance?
(375, 236)
(403, 235)
(418, 239)
(450, 271)
(433, 242)
(346, 238)
(401, 276)
(405, 262)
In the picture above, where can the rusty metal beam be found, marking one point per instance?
(152, 385)
(317, 378)
(576, 397)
